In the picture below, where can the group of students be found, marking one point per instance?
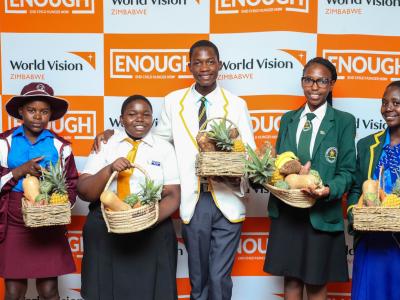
(306, 246)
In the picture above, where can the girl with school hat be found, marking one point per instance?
(39, 253)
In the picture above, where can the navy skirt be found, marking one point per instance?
(295, 249)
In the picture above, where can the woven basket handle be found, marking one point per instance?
(133, 166)
(381, 178)
(220, 118)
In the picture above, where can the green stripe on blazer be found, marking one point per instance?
(336, 134)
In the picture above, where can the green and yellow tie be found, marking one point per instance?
(202, 113)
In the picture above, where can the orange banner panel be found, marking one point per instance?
(260, 15)
(51, 16)
(266, 113)
(365, 64)
(152, 65)
(83, 120)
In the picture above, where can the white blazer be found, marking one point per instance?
(179, 124)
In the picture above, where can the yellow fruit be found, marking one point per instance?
(284, 158)
(391, 200)
(57, 198)
(276, 176)
(30, 185)
(238, 146)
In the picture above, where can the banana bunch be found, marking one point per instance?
(284, 158)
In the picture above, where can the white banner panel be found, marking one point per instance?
(359, 17)
(71, 63)
(367, 113)
(265, 62)
(144, 16)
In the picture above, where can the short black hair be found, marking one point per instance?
(203, 43)
(327, 64)
(134, 98)
(394, 84)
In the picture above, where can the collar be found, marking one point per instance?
(20, 131)
(121, 135)
(209, 96)
(319, 112)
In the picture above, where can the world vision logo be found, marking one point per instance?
(365, 65)
(36, 69)
(395, 3)
(243, 68)
(57, 7)
(149, 63)
(154, 2)
(252, 248)
(260, 6)
(75, 240)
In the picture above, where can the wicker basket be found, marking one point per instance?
(132, 220)
(45, 215)
(218, 163)
(376, 218)
(295, 197)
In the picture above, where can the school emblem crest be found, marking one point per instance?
(331, 154)
(307, 125)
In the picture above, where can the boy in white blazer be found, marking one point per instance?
(211, 209)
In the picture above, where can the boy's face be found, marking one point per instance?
(204, 65)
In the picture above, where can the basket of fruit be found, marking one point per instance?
(45, 201)
(376, 210)
(136, 212)
(222, 151)
(283, 176)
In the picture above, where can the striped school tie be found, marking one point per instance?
(202, 113)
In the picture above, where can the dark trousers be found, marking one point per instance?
(211, 241)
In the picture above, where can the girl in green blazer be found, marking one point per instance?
(377, 254)
(307, 246)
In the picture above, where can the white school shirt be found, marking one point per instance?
(155, 155)
(316, 122)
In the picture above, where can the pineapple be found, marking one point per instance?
(276, 177)
(396, 187)
(133, 200)
(220, 134)
(150, 192)
(259, 170)
(55, 178)
(391, 200)
(238, 146)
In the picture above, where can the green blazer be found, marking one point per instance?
(369, 150)
(334, 157)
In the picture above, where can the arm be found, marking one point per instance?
(164, 127)
(245, 127)
(102, 137)
(356, 189)
(71, 177)
(90, 186)
(346, 165)
(171, 198)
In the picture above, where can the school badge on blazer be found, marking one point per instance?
(331, 154)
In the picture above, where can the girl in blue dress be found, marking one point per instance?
(377, 254)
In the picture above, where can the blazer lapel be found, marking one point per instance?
(292, 130)
(189, 115)
(326, 125)
(375, 151)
